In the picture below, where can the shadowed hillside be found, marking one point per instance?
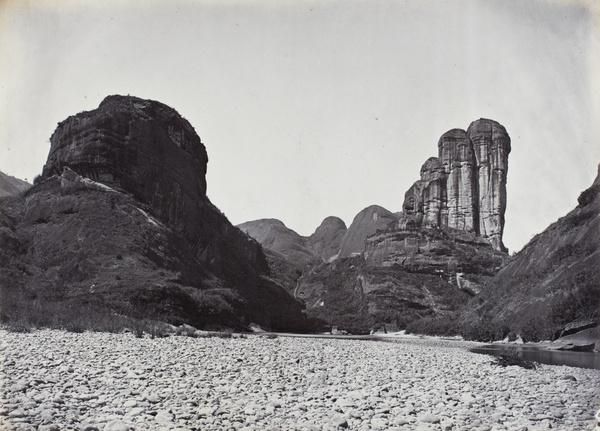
(553, 281)
(10, 186)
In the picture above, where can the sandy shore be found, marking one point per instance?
(53, 380)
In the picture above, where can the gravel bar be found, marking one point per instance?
(56, 380)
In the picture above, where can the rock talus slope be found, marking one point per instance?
(120, 218)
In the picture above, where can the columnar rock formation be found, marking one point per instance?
(491, 145)
(464, 188)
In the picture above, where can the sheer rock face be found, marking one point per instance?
(456, 155)
(147, 149)
(464, 188)
(491, 145)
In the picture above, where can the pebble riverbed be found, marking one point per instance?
(55, 380)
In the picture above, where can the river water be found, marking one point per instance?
(543, 356)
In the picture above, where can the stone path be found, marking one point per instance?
(53, 380)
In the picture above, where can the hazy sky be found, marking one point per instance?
(317, 108)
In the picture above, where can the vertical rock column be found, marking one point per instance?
(425, 200)
(491, 145)
(434, 192)
(456, 155)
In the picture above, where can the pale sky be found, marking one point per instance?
(317, 108)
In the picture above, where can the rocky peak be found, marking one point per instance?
(274, 235)
(327, 238)
(464, 188)
(491, 145)
(119, 222)
(129, 141)
(365, 224)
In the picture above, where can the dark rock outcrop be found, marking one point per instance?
(120, 219)
(10, 186)
(464, 188)
(147, 149)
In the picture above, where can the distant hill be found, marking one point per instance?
(365, 224)
(273, 235)
(10, 186)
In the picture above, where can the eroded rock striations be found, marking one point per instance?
(464, 188)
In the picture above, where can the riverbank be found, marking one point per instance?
(58, 380)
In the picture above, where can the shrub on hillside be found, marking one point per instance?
(482, 329)
(434, 325)
(512, 355)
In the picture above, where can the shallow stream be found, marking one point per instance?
(544, 356)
